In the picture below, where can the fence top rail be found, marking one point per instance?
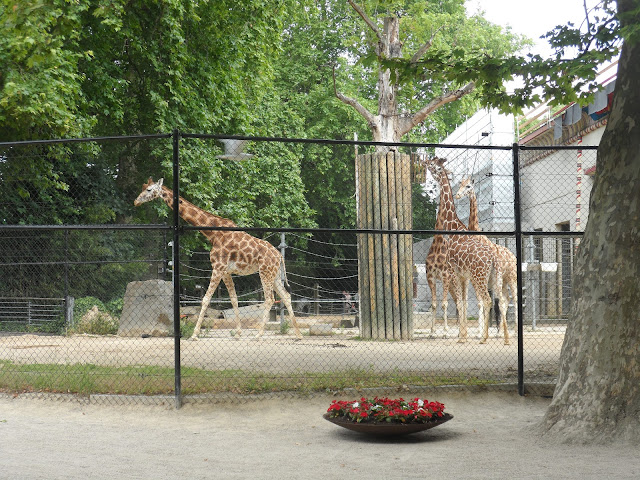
(85, 140)
(496, 233)
(123, 226)
(22, 299)
(292, 140)
(557, 147)
(341, 142)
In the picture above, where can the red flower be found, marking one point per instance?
(386, 410)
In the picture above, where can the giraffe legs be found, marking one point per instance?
(432, 286)
(445, 301)
(286, 298)
(464, 289)
(504, 304)
(513, 286)
(213, 284)
(268, 284)
(231, 288)
(460, 287)
(485, 299)
(446, 289)
(484, 309)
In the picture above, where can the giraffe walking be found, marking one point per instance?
(232, 253)
(507, 259)
(470, 257)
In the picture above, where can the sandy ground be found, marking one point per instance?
(491, 436)
(278, 353)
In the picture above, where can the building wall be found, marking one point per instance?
(549, 186)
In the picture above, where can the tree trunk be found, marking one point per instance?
(597, 396)
(386, 128)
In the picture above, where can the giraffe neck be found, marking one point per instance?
(474, 224)
(194, 215)
(447, 218)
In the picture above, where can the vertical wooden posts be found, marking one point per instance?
(385, 260)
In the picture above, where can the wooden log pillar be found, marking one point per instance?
(385, 260)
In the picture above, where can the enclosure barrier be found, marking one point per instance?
(99, 298)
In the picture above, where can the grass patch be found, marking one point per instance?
(151, 380)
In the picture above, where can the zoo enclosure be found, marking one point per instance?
(93, 263)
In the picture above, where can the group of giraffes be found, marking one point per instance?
(458, 259)
(455, 259)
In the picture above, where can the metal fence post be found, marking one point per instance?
(283, 247)
(176, 269)
(69, 302)
(518, 232)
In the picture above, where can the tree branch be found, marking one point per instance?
(368, 116)
(407, 123)
(367, 20)
(423, 49)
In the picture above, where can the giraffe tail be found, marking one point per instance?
(286, 281)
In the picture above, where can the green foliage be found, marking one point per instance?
(40, 81)
(186, 329)
(568, 76)
(112, 68)
(82, 305)
(424, 209)
(153, 380)
(285, 327)
(87, 320)
(100, 67)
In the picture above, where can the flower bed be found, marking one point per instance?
(385, 410)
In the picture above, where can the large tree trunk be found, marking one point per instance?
(597, 397)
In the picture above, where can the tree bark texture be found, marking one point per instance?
(597, 396)
(385, 260)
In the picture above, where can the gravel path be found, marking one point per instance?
(491, 436)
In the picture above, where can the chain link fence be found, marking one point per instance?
(104, 299)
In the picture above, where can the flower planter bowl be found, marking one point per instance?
(387, 429)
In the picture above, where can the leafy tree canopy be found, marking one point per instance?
(569, 75)
(98, 68)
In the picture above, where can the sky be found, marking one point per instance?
(532, 19)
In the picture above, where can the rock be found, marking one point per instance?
(320, 329)
(148, 309)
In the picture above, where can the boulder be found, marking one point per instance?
(148, 309)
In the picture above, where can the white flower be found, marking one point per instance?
(356, 404)
(420, 403)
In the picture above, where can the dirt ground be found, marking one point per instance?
(492, 436)
(280, 353)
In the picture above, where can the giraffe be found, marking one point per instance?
(507, 258)
(436, 264)
(471, 259)
(232, 252)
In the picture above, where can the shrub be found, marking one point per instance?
(91, 316)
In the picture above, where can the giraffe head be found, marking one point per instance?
(466, 188)
(150, 191)
(436, 167)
